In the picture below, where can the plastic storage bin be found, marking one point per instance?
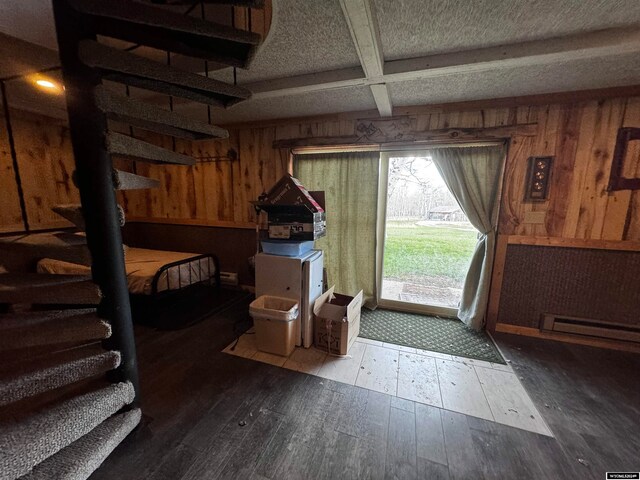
(273, 319)
(286, 248)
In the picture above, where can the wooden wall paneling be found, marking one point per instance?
(422, 122)
(526, 114)
(622, 220)
(10, 214)
(497, 276)
(45, 159)
(268, 160)
(136, 203)
(595, 196)
(284, 132)
(632, 222)
(562, 175)
(141, 202)
(511, 211)
(495, 117)
(175, 197)
(545, 145)
(585, 141)
(244, 177)
(260, 18)
(214, 186)
(181, 196)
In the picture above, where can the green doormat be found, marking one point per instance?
(428, 333)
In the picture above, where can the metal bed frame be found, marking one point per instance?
(147, 309)
(169, 267)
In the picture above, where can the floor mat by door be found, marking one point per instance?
(428, 333)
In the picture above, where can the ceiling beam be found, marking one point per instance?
(363, 25)
(382, 98)
(602, 43)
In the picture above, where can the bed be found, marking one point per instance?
(151, 272)
(161, 283)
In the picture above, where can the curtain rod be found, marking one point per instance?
(431, 146)
(336, 149)
(392, 147)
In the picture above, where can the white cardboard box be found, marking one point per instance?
(336, 321)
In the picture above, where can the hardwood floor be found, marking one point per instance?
(212, 415)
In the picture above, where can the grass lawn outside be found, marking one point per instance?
(439, 251)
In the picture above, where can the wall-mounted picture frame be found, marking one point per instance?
(617, 181)
(537, 180)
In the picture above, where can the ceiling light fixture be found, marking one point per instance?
(45, 83)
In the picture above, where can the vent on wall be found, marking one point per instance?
(591, 328)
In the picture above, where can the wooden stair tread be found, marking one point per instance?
(166, 30)
(149, 117)
(120, 66)
(26, 444)
(131, 181)
(134, 149)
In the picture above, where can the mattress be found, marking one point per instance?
(142, 265)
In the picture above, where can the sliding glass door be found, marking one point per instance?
(425, 241)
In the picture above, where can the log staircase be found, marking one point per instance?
(68, 374)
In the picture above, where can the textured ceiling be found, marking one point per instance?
(530, 80)
(19, 57)
(410, 28)
(31, 20)
(305, 37)
(309, 36)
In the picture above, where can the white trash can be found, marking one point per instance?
(273, 321)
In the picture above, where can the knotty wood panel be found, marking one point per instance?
(45, 159)
(582, 139)
(10, 215)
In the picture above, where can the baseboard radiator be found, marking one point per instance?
(229, 278)
(590, 328)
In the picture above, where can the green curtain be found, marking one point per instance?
(473, 175)
(350, 183)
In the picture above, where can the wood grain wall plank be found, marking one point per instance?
(594, 196)
(511, 215)
(45, 159)
(545, 146)
(10, 214)
(619, 203)
(585, 143)
(562, 175)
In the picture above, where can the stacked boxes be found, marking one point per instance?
(294, 214)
